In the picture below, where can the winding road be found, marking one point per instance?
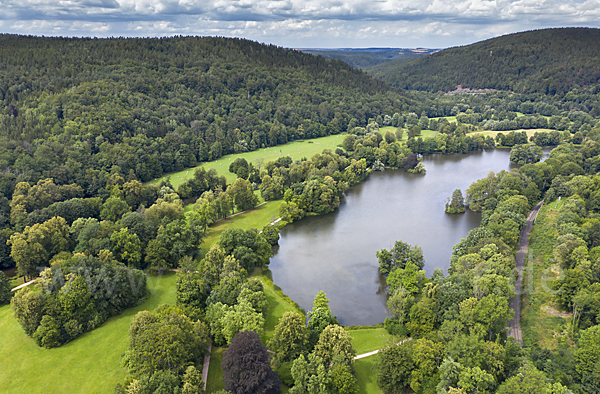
(514, 325)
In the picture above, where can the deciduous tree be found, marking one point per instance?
(247, 366)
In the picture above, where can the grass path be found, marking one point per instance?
(486, 133)
(89, 364)
(366, 376)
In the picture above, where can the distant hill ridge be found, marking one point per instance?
(550, 61)
(368, 57)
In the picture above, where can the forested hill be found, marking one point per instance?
(154, 105)
(64, 62)
(549, 61)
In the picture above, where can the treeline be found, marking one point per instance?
(576, 112)
(155, 237)
(577, 101)
(549, 61)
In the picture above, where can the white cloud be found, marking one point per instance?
(433, 23)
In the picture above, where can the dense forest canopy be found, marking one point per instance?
(159, 105)
(549, 61)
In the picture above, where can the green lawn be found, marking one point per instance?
(277, 307)
(424, 133)
(89, 364)
(16, 281)
(448, 118)
(366, 376)
(296, 150)
(367, 340)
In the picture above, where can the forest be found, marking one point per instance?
(86, 124)
(547, 61)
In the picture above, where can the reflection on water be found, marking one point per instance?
(10, 272)
(336, 252)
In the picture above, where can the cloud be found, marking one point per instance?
(289, 22)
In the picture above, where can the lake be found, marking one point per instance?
(336, 252)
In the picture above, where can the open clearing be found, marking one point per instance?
(89, 364)
(296, 150)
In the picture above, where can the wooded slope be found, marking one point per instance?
(550, 61)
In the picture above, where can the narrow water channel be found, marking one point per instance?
(336, 252)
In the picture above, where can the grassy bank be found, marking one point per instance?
(278, 305)
(296, 150)
(89, 364)
(215, 373)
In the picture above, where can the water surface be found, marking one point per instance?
(336, 252)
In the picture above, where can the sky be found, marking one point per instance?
(299, 23)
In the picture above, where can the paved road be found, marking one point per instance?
(514, 326)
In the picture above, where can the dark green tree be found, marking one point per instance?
(247, 366)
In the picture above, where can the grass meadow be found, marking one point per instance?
(370, 339)
(256, 218)
(530, 132)
(296, 150)
(424, 133)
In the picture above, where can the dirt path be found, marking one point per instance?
(514, 326)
